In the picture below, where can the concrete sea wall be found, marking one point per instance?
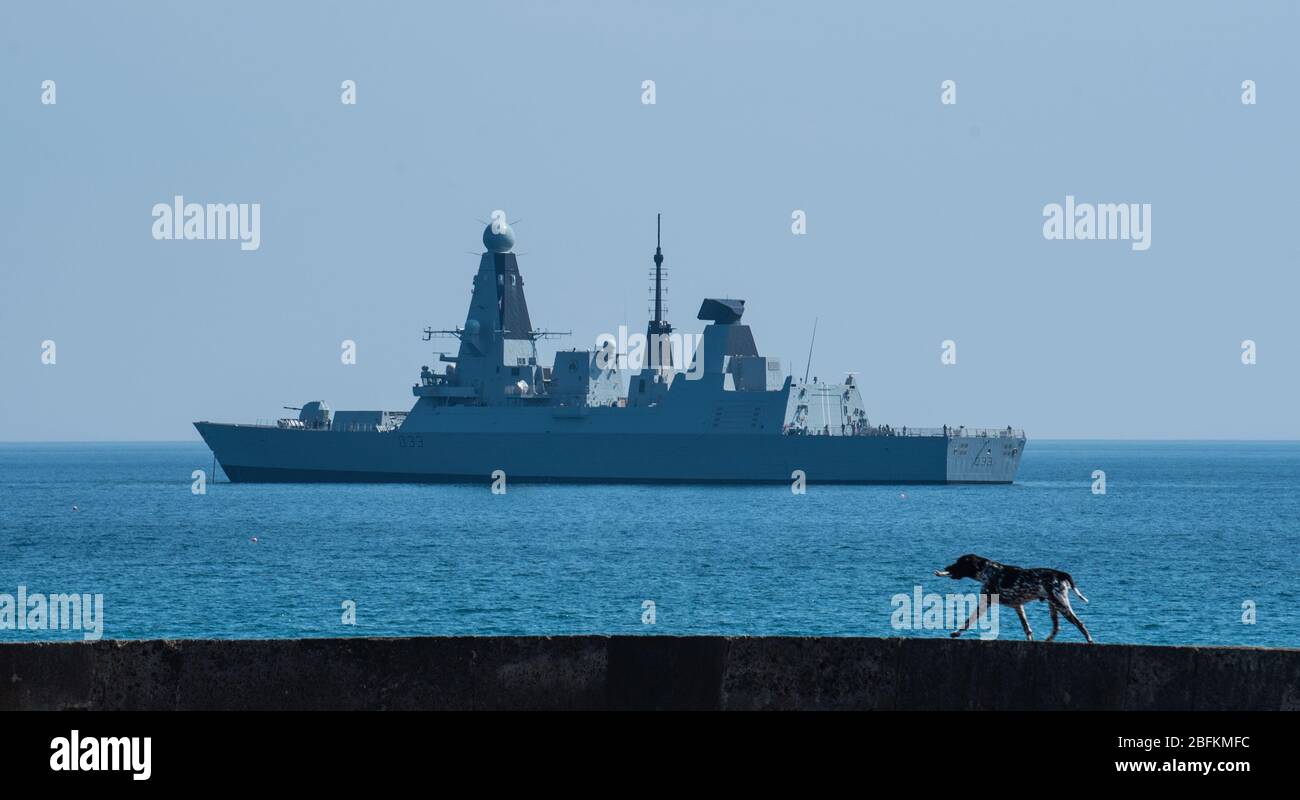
(634, 672)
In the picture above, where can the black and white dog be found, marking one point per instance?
(1016, 586)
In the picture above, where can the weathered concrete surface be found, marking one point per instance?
(629, 672)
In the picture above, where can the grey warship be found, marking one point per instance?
(722, 414)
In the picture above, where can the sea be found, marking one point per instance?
(1190, 543)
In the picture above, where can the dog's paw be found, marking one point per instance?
(954, 634)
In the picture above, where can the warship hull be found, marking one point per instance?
(264, 454)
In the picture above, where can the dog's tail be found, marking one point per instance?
(1075, 587)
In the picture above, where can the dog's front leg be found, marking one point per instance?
(974, 615)
(1024, 622)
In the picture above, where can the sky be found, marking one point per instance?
(924, 220)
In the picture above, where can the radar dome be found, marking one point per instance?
(498, 237)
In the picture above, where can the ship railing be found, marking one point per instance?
(888, 431)
(356, 427)
(952, 433)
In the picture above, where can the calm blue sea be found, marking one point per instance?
(1186, 533)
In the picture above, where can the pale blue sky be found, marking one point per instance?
(924, 221)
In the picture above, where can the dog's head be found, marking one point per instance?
(968, 566)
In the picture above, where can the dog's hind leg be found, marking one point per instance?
(1056, 621)
(1024, 622)
(1069, 614)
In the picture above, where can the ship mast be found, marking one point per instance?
(658, 325)
(659, 345)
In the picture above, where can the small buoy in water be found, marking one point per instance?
(74, 507)
(253, 539)
(902, 495)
